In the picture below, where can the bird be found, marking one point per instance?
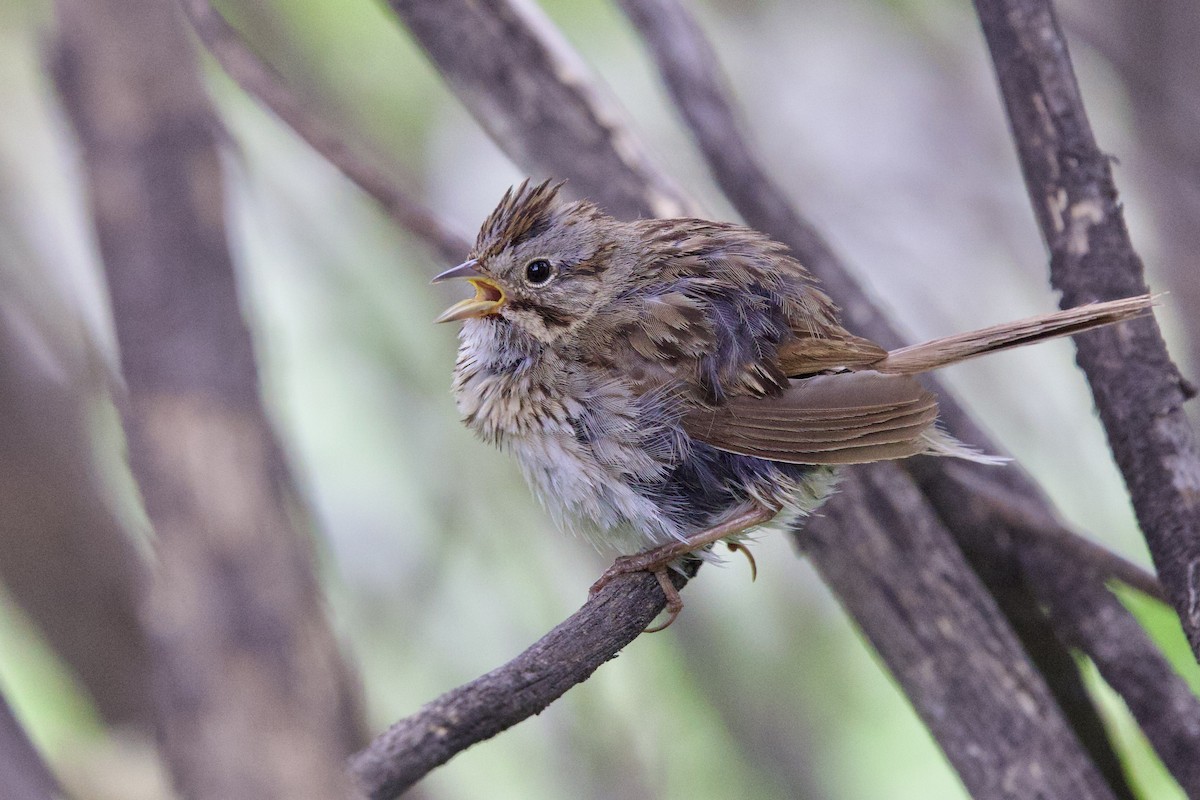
(667, 384)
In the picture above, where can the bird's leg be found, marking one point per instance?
(657, 560)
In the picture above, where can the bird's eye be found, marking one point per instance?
(539, 271)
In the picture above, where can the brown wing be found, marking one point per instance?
(843, 418)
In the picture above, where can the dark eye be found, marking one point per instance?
(538, 271)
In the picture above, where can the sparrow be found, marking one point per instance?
(666, 384)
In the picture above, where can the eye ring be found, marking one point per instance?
(538, 272)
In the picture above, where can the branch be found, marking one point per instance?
(259, 80)
(934, 624)
(23, 774)
(478, 710)
(1088, 617)
(1138, 390)
(1083, 614)
(539, 102)
(251, 696)
(65, 556)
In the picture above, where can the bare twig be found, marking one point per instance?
(990, 506)
(260, 81)
(1137, 388)
(478, 710)
(23, 774)
(252, 698)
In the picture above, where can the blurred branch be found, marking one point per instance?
(65, 557)
(260, 81)
(935, 626)
(690, 69)
(1138, 390)
(1083, 614)
(564, 657)
(252, 697)
(538, 100)
(1088, 617)
(23, 774)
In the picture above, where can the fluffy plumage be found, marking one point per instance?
(671, 374)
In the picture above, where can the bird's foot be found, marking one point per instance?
(649, 561)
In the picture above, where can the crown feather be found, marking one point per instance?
(521, 214)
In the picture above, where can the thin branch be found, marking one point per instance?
(259, 80)
(478, 710)
(991, 506)
(23, 774)
(1138, 390)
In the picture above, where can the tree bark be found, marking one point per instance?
(1138, 390)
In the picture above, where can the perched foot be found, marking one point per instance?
(659, 559)
(739, 547)
(644, 562)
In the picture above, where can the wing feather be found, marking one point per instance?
(842, 418)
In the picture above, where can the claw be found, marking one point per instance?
(738, 547)
(674, 601)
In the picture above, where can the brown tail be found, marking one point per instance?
(953, 349)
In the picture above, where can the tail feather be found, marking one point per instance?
(953, 349)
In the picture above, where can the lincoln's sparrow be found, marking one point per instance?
(666, 384)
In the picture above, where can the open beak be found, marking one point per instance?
(488, 294)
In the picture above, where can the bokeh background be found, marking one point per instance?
(881, 118)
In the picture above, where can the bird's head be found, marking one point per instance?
(539, 264)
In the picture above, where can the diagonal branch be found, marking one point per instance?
(258, 79)
(1137, 388)
(1083, 614)
(538, 100)
(478, 710)
(1088, 617)
(938, 630)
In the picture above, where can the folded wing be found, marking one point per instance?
(841, 418)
